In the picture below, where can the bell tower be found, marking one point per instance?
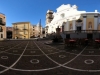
(49, 16)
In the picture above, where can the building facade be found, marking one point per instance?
(49, 16)
(21, 30)
(68, 18)
(36, 30)
(9, 32)
(2, 26)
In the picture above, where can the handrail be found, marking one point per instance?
(83, 31)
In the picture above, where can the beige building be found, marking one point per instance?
(2, 26)
(36, 30)
(21, 30)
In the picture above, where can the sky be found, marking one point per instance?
(34, 10)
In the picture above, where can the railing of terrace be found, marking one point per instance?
(83, 31)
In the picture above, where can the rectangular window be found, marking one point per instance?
(0, 20)
(16, 32)
(1, 35)
(25, 32)
(1, 29)
(16, 27)
(24, 27)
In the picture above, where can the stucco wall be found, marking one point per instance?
(90, 19)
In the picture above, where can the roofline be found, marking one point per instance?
(20, 22)
(2, 13)
(90, 13)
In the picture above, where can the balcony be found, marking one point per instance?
(2, 23)
(16, 29)
(25, 29)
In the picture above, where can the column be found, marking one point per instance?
(95, 22)
(73, 24)
(84, 22)
(65, 27)
(99, 19)
(68, 26)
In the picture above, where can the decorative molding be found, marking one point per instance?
(95, 16)
(84, 16)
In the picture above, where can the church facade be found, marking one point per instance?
(69, 19)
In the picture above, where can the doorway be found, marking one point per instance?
(90, 36)
(68, 36)
(79, 28)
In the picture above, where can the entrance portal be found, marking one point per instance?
(78, 28)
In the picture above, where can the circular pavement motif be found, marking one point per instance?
(34, 61)
(74, 50)
(62, 56)
(15, 51)
(32, 51)
(50, 50)
(89, 61)
(4, 57)
(91, 51)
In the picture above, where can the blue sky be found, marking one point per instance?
(34, 10)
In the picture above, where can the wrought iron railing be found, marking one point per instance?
(2, 23)
(83, 31)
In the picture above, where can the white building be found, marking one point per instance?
(72, 19)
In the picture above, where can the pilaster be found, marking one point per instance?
(84, 22)
(95, 22)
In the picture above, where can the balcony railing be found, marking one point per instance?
(16, 29)
(1, 30)
(2, 23)
(83, 31)
(25, 29)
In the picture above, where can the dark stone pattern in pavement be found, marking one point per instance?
(3, 49)
(1, 68)
(8, 62)
(79, 63)
(75, 50)
(25, 63)
(33, 52)
(15, 51)
(39, 63)
(91, 52)
(62, 57)
(33, 47)
(49, 50)
(58, 71)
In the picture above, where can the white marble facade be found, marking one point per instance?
(66, 13)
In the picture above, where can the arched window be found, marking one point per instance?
(90, 25)
(71, 26)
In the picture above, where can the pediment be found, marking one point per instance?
(62, 7)
(66, 7)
